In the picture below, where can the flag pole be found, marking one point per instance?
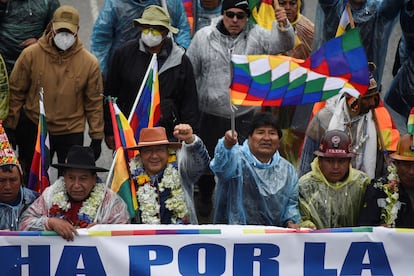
(131, 114)
(232, 122)
(111, 170)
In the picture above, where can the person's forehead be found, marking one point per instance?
(63, 30)
(147, 148)
(78, 172)
(334, 158)
(156, 27)
(288, 1)
(236, 10)
(14, 172)
(261, 128)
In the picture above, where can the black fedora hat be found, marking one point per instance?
(80, 158)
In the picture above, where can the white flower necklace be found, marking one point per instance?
(389, 205)
(88, 210)
(148, 194)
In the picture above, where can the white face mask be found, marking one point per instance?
(151, 40)
(64, 40)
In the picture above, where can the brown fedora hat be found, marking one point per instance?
(153, 137)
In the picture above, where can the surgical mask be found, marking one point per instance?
(64, 40)
(151, 40)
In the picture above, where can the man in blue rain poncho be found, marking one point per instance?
(400, 95)
(114, 26)
(374, 18)
(255, 184)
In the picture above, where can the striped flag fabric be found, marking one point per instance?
(126, 133)
(262, 13)
(344, 21)
(39, 177)
(410, 122)
(339, 66)
(147, 112)
(188, 8)
(122, 183)
(389, 131)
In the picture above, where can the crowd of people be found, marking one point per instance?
(348, 167)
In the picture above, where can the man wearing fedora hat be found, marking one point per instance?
(389, 200)
(165, 173)
(332, 193)
(75, 200)
(178, 92)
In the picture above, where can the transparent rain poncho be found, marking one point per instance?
(251, 192)
(329, 205)
(10, 214)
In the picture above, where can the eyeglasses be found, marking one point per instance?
(239, 15)
(153, 31)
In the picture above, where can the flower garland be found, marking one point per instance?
(390, 205)
(88, 210)
(147, 193)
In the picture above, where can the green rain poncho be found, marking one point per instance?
(329, 205)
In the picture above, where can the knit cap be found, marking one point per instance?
(240, 4)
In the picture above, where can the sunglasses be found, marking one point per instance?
(239, 15)
(153, 31)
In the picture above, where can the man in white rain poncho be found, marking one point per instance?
(255, 184)
(332, 194)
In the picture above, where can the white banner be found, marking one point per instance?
(209, 250)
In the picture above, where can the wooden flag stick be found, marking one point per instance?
(233, 122)
(351, 18)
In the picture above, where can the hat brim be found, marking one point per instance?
(82, 167)
(397, 156)
(173, 145)
(335, 155)
(65, 25)
(141, 21)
